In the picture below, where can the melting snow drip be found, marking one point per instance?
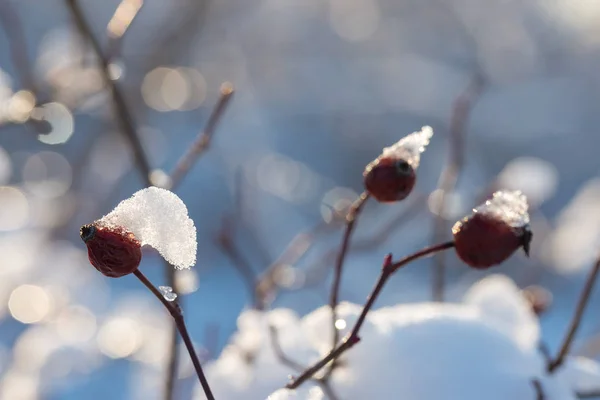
(167, 292)
(410, 147)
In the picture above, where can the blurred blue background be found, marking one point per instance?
(321, 86)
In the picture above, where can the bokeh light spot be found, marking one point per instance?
(47, 174)
(29, 304)
(170, 89)
(60, 120)
(119, 337)
(14, 213)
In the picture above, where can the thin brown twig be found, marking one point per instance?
(388, 269)
(577, 317)
(227, 244)
(120, 109)
(203, 140)
(267, 284)
(177, 315)
(316, 272)
(539, 390)
(351, 217)
(450, 174)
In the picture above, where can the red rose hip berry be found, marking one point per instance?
(113, 251)
(494, 231)
(391, 176)
(388, 179)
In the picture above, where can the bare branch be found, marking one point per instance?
(177, 315)
(577, 317)
(388, 269)
(450, 174)
(120, 109)
(203, 140)
(351, 217)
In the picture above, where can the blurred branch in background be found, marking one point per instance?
(317, 271)
(270, 280)
(227, 243)
(450, 174)
(351, 217)
(589, 395)
(203, 140)
(119, 25)
(539, 390)
(120, 109)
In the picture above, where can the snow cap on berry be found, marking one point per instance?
(410, 147)
(159, 219)
(509, 207)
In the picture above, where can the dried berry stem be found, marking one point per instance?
(450, 175)
(388, 269)
(351, 217)
(202, 141)
(177, 315)
(577, 317)
(121, 110)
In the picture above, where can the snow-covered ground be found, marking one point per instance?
(485, 347)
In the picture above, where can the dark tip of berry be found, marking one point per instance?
(87, 232)
(527, 236)
(403, 168)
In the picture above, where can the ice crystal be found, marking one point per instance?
(410, 147)
(508, 206)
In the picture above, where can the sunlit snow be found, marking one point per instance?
(483, 348)
(410, 147)
(510, 207)
(159, 219)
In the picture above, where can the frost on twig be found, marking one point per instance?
(159, 219)
(410, 147)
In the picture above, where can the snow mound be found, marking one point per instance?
(510, 207)
(159, 219)
(483, 348)
(410, 147)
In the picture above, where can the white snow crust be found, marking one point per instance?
(482, 348)
(159, 219)
(410, 147)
